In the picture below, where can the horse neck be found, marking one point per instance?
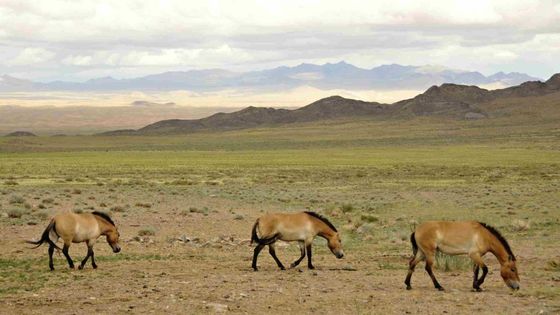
(104, 226)
(324, 231)
(498, 249)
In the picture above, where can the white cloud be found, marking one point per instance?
(31, 56)
(150, 36)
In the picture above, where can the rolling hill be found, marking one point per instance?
(446, 101)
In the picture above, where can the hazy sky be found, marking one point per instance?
(78, 40)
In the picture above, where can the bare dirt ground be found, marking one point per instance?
(199, 261)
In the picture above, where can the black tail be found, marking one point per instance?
(414, 245)
(45, 237)
(262, 241)
(254, 237)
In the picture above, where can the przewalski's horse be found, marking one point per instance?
(77, 228)
(462, 237)
(302, 227)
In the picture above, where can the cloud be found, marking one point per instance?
(72, 39)
(31, 56)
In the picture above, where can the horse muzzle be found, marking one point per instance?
(513, 285)
(116, 249)
(339, 254)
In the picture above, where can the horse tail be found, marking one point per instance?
(262, 241)
(414, 245)
(45, 237)
(254, 237)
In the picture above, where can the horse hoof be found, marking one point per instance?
(311, 267)
(440, 289)
(80, 267)
(94, 266)
(477, 290)
(408, 287)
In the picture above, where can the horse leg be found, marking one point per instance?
(475, 278)
(272, 252)
(302, 249)
(479, 264)
(429, 263)
(411, 265)
(51, 251)
(65, 252)
(255, 255)
(309, 264)
(89, 253)
(93, 264)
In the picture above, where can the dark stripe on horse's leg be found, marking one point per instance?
(429, 263)
(51, 251)
(411, 265)
(65, 252)
(272, 253)
(93, 264)
(309, 264)
(484, 273)
(89, 252)
(475, 278)
(295, 263)
(255, 255)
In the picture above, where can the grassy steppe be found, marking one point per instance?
(374, 179)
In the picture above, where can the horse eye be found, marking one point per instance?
(512, 269)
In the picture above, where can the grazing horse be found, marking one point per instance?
(462, 237)
(77, 228)
(302, 227)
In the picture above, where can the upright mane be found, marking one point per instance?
(499, 236)
(322, 218)
(104, 216)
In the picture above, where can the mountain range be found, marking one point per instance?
(447, 100)
(340, 75)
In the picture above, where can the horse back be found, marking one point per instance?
(291, 226)
(455, 236)
(76, 227)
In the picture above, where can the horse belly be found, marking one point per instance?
(83, 234)
(290, 234)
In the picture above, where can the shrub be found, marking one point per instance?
(48, 200)
(15, 213)
(118, 208)
(147, 231)
(16, 199)
(347, 207)
(519, 225)
(76, 191)
(446, 262)
(369, 218)
(143, 205)
(10, 182)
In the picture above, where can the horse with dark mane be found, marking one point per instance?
(462, 237)
(77, 228)
(300, 227)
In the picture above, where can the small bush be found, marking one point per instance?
(43, 215)
(16, 199)
(347, 207)
(369, 218)
(447, 263)
(143, 205)
(10, 182)
(76, 191)
(117, 209)
(15, 213)
(48, 200)
(148, 231)
(519, 225)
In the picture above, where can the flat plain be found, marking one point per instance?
(185, 206)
